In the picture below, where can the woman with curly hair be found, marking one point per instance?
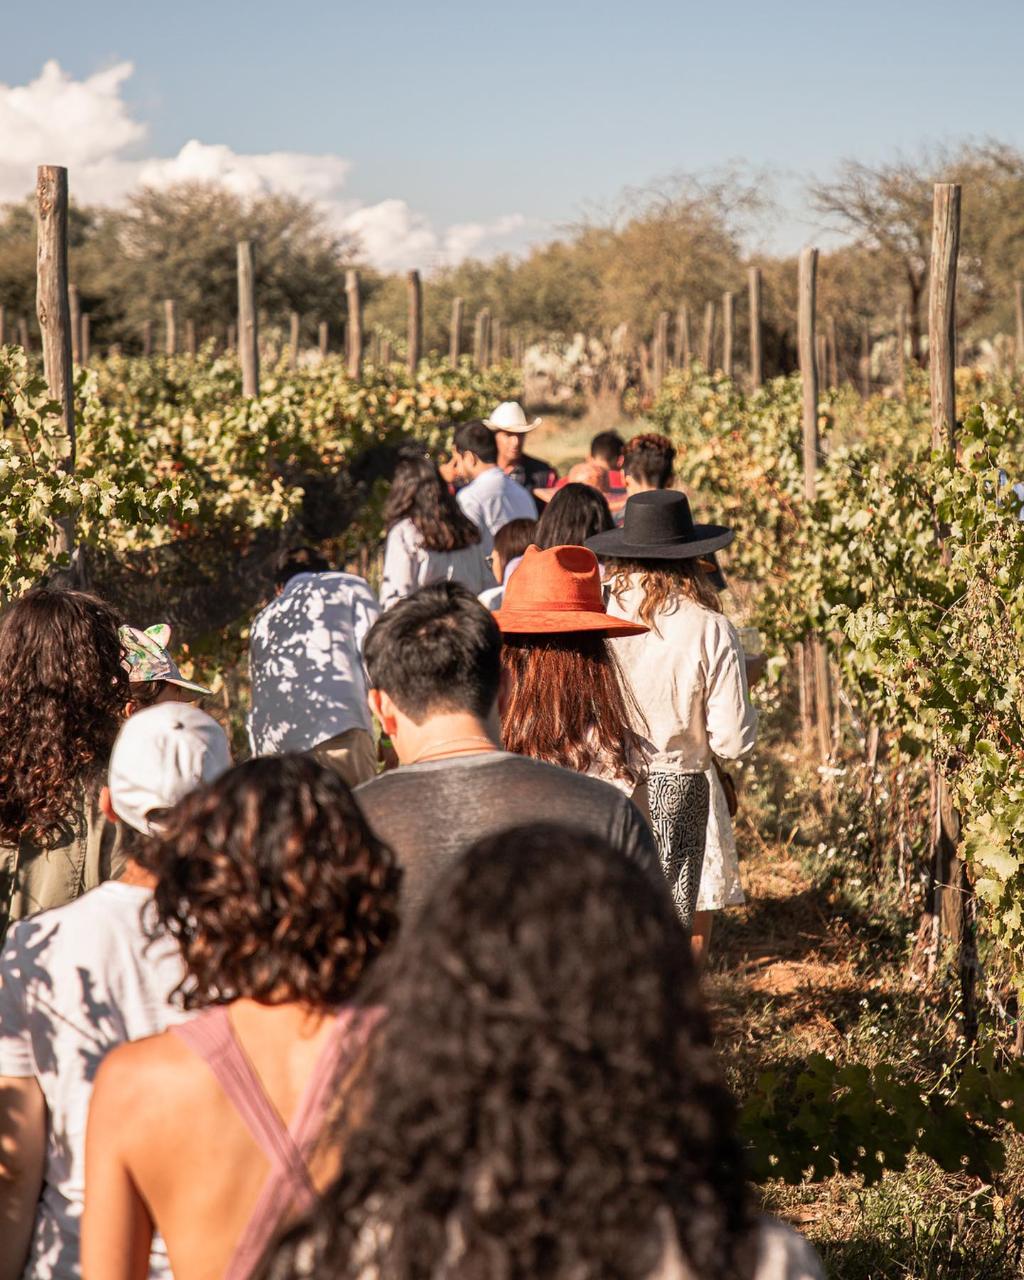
(563, 1114)
(63, 694)
(280, 899)
(429, 539)
(565, 700)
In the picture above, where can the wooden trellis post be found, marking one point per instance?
(455, 332)
(415, 327)
(815, 658)
(708, 354)
(294, 327)
(75, 320)
(324, 339)
(24, 337)
(865, 361)
(384, 348)
(756, 331)
(727, 332)
(354, 330)
(821, 343)
(170, 327)
(659, 358)
(54, 313)
(191, 344)
(482, 338)
(3, 326)
(248, 336)
(232, 338)
(833, 352)
(901, 350)
(682, 347)
(497, 340)
(85, 337)
(1018, 290)
(147, 337)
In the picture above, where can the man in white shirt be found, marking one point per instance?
(79, 980)
(490, 498)
(306, 667)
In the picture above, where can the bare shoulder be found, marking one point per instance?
(145, 1068)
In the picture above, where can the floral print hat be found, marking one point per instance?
(146, 657)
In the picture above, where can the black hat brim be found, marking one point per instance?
(705, 539)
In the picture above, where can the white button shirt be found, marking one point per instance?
(305, 662)
(492, 500)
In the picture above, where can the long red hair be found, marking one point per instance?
(568, 704)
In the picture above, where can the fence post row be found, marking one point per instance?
(248, 337)
(455, 334)
(756, 334)
(415, 330)
(727, 332)
(170, 327)
(354, 329)
(323, 338)
(53, 311)
(709, 337)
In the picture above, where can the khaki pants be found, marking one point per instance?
(352, 755)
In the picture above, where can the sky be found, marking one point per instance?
(443, 129)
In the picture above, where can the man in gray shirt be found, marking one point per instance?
(434, 667)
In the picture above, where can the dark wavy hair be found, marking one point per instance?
(418, 493)
(650, 459)
(574, 514)
(63, 692)
(568, 704)
(543, 1099)
(274, 886)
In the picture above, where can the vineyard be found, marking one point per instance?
(890, 790)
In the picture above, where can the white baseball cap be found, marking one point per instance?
(160, 755)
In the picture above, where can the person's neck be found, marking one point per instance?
(447, 735)
(136, 874)
(483, 469)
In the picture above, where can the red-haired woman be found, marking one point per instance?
(565, 700)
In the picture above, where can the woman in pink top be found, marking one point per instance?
(281, 899)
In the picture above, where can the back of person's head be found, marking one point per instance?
(161, 755)
(607, 446)
(513, 538)
(436, 650)
(295, 560)
(473, 437)
(544, 1090)
(649, 460)
(574, 514)
(63, 692)
(418, 493)
(274, 886)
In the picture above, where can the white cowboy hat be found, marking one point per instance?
(509, 416)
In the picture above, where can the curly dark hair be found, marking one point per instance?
(574, 514)
(63, 692)
(543, 1099)
(418, 493)
(274, 886)
(649, 459)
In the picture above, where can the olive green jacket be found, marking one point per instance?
(84, 852)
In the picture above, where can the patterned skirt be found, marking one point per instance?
(679, 819)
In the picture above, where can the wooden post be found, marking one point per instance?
(323, 339)
(24, 338)
(497, 338)
(354, 331)
(54, 313)
(248, 336)
(865, 361)
(756, 332)
(384, 348)
(415, 328)
(147, 337)
(85, 337)
(191, 345)
(455, 332)
(3, 326)
(901, 350)
(727, 332)
(482, 339)
(708, 354)
(682, 344)
(821, 345)
(942, 313)
(294, 323)
(232, 338)
(170, 327)
(816, 659)
(833, 352)
(659, 360)
(1018, 290)
(75, 320)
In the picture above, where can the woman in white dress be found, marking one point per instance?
(429, 539)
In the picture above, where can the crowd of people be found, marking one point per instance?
(414, 991)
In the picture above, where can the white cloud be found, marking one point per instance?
(87, 126)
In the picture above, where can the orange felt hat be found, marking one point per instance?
(557, 591)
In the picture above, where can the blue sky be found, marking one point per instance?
(473, 112)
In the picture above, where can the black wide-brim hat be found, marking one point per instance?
(658, 525)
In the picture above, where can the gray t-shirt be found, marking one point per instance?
(431, 813)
